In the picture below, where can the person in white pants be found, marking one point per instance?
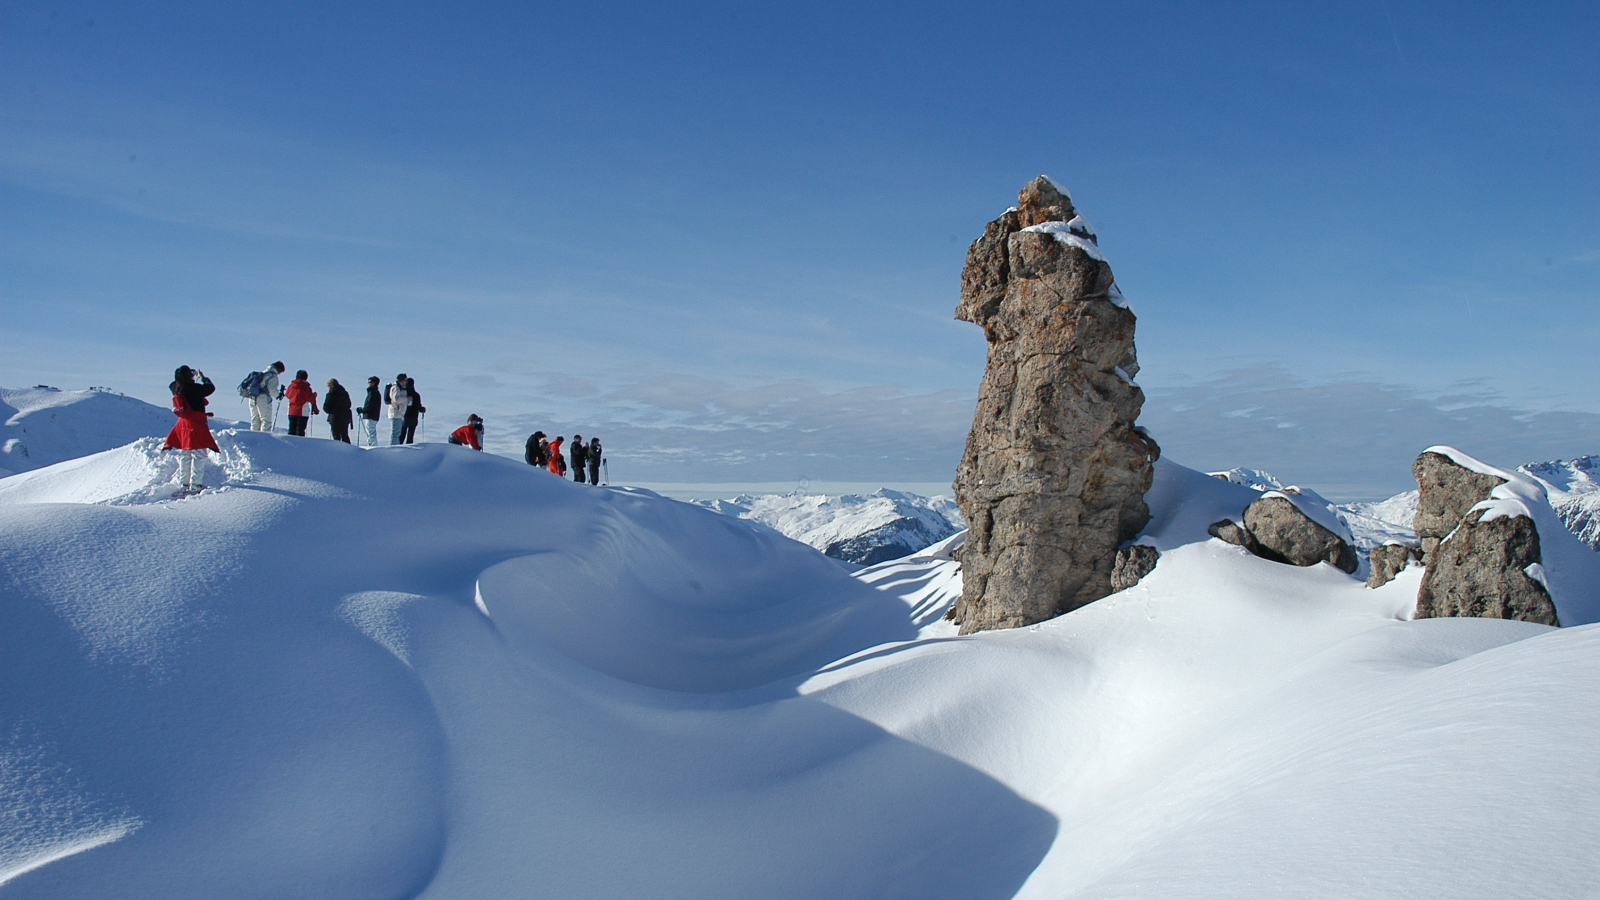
(261, 406)
(398, 399)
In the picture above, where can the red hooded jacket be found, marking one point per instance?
(558, 464)
(299, 393)
(467, 435)
(192, 431)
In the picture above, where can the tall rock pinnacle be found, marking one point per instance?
(1054, 474)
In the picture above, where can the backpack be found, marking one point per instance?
(250, 388)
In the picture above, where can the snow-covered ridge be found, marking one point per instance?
(42, 425)
(440, 674)
(859, 529)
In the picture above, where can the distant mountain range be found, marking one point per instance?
(860, 529)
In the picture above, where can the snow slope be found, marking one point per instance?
(428, 672)
(40, 426)
(867, 529)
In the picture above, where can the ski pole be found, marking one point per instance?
(606, 470)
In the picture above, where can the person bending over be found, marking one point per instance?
(470, 434)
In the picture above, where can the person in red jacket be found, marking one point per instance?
(558, 463)
(299, 393)
(470, 434)
(191, 435)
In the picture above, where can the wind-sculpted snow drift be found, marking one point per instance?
(427, 672)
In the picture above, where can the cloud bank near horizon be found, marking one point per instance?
(1351, 439)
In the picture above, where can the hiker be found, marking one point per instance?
(557, 464)
(261, 390)
(596, 457)
(371, 408)
(470, 434)
(536, 452)
(408, 431)
(580, 458)
(191, 434)
(398, 399)
(337, 405)
(299, 393)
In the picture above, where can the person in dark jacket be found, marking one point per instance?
(534, 452)
(596, 457)
(191, 435)
(580, 456)
(371, 411)
(336, 403)
(408, 433)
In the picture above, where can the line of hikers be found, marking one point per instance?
(587, 459)
(191, 434)
(399, 399)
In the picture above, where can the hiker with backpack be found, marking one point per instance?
(557, 464)
(337, 405)
(536, 452)
(371, 409)
(596, 457)
(580, 458)
(261, 390)
(191, 434)
(408, 431)
(299, 393)
(470, 434)
(398, 401)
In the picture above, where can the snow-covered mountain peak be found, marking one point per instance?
(857, 528)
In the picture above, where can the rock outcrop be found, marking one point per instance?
(1275, 528)
(1054, 474)
(1482, 554)
(1445, 492)
(1132, 565)
(1389, 560)
(1283, 533)
(1484, 568)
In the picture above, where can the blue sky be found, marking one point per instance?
(728, 237)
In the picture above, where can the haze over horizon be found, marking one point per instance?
(728, 240)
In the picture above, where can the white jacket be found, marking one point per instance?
(269, 382)
(399, 399)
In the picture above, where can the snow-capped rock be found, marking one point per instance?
(865, 530)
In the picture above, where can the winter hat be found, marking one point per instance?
(183, 373)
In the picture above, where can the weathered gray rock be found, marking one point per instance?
(1232, 532)
(1132, 565)
(1482, 570)
(1283, 533)
(1054, 474)
(1389, 560)
(1445, 492)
